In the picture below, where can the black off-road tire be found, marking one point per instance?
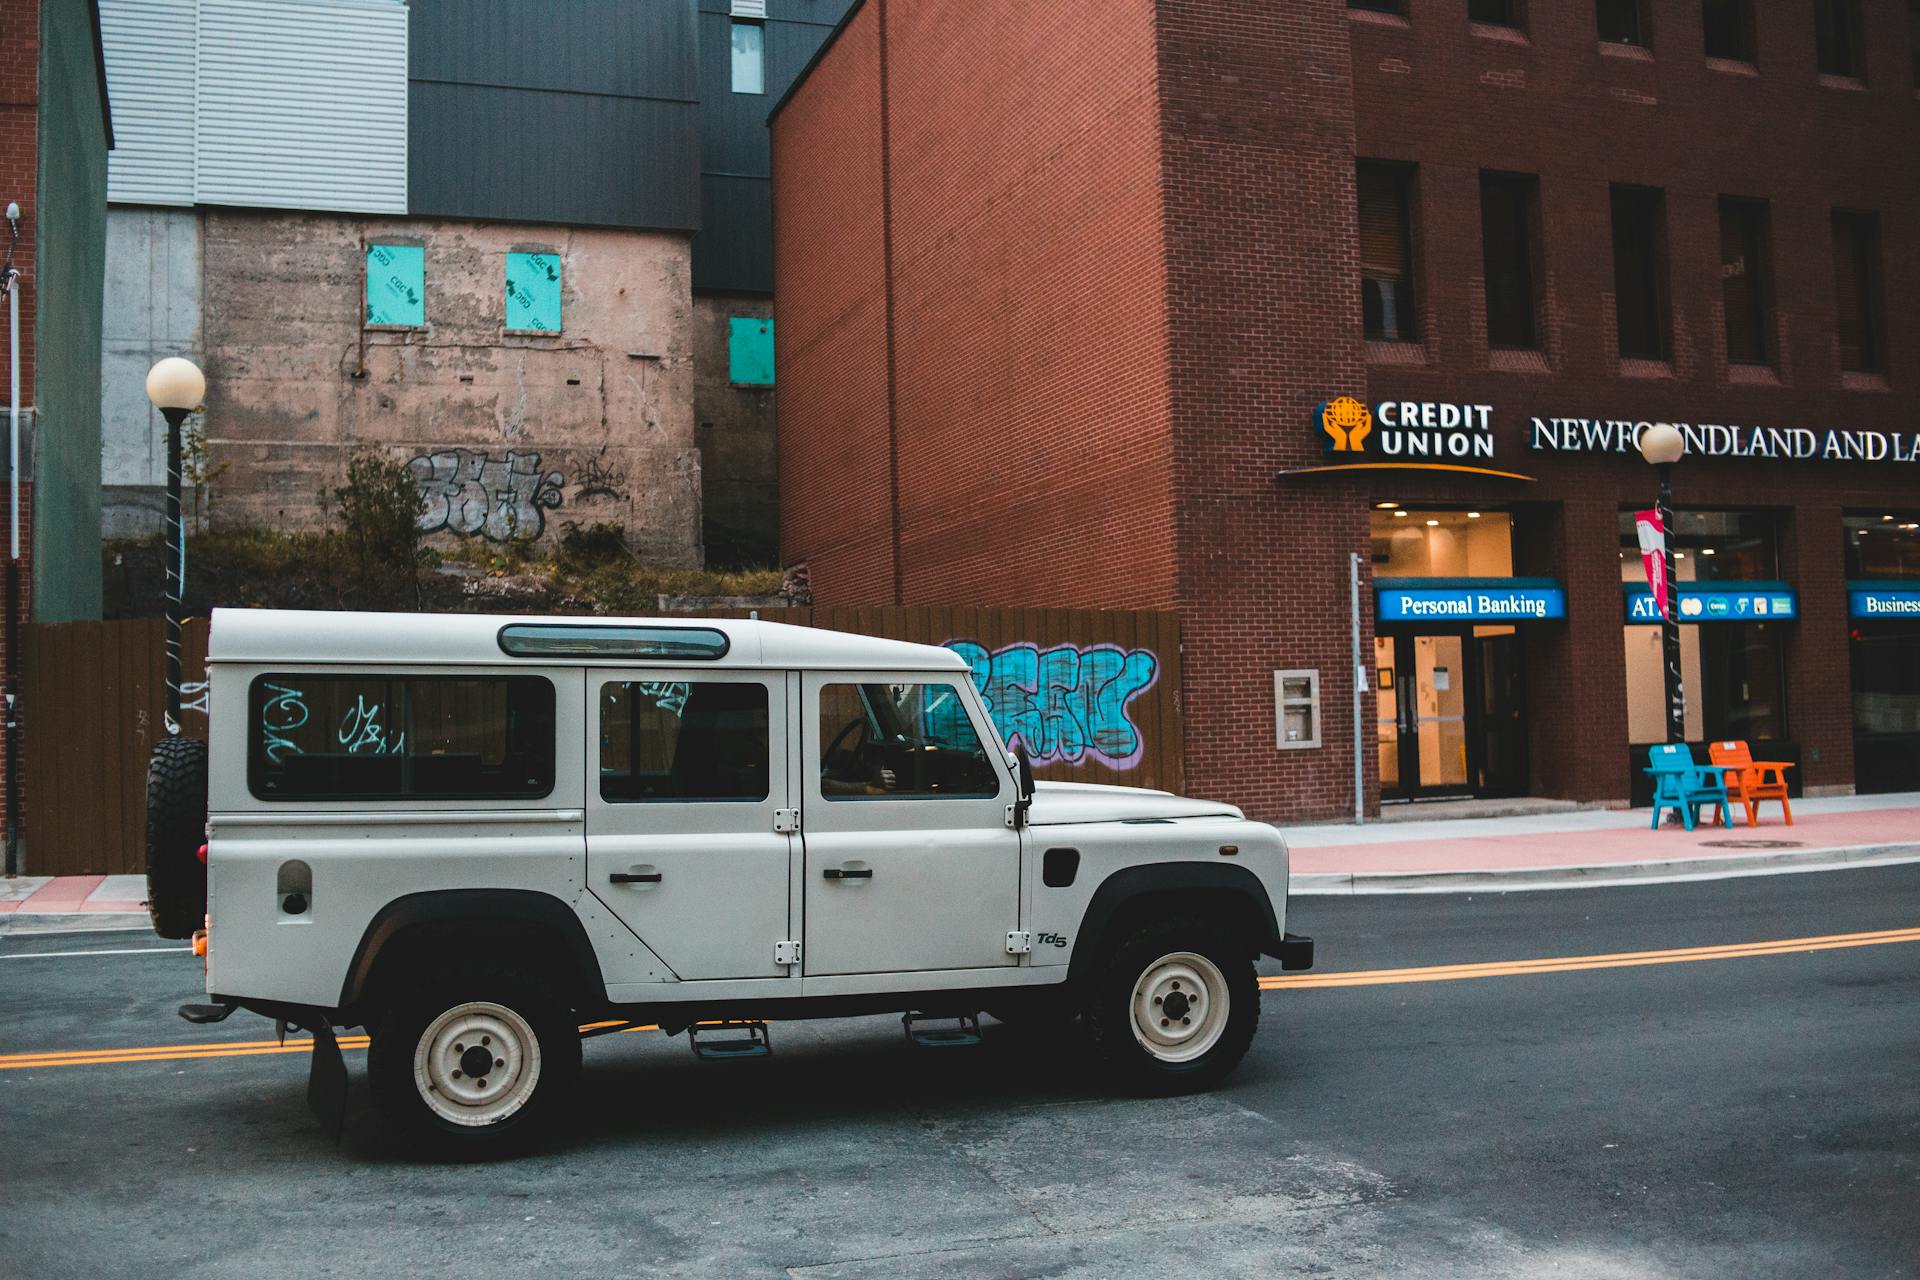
(1128, 974)
(401, 1077)
(176, 828)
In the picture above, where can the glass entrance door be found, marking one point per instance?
(1449, 713)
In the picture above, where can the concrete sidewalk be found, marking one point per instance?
(37, 904)
(1598, 846)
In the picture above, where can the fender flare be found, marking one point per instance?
(514, 909)
(1131, 884)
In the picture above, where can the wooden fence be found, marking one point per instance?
(1094, 696)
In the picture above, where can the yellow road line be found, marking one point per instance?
(1569, 964)
(1351, 978)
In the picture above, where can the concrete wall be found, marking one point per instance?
(509, 433)
(153, 311)
(737, 457)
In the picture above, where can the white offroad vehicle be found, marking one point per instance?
(486, 838)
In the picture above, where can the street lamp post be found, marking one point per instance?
(176, 386)
(1662, 444)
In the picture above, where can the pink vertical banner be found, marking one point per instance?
(1653, 554)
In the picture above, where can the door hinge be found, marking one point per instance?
(786, 821)
(787, 952)
(1013, 817)
(1019, 943)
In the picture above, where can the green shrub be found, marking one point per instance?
(380, 508)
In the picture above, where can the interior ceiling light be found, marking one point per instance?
(1399, 514)
(1432, 523)
(1385, 506)
(1886, 517)
(1473, 515)
(1706, 551)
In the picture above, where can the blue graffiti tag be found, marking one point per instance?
(1067, 702)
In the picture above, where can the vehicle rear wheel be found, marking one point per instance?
(176, 828)
(1175, 1007)
(476, 1064)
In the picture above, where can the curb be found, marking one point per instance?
(1652, 871)
(20, 924)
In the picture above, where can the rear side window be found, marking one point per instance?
(379, 737)
(667, 741)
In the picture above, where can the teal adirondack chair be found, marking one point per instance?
(1679, 783)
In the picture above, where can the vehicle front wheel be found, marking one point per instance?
(476, 1064)
(1175, 1007)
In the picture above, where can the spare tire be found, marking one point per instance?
(176, 828)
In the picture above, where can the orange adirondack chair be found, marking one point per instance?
(1750, 781)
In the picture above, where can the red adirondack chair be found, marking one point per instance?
(1750, 781)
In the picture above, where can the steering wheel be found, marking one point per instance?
(833, 747)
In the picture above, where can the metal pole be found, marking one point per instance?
(176, 562)
(12, 286)
(1359, 689)
(1670, 622)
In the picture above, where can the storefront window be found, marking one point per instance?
(1412, 543)
(1734, 673)
(1885, 544)
(1710, 546)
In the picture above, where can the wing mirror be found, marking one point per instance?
(1023, 771)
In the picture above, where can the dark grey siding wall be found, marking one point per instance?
(574, 111)
(734, 250)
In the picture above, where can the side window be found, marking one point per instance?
(396, 286)
(667, 741)
(533, 293)
(895, 741)
(380, 737)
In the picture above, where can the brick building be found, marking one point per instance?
(1189, 304)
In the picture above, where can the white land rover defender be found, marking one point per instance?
(486, 838)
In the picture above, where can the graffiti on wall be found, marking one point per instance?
(468, 492)
(1068, 703)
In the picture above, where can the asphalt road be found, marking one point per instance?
(1757, 1115)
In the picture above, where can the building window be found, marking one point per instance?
(393, 737)
(1729, 26)
(1624, 22)
(1746, 279)
(1409, 542)
(396, 286)
(750, 351)
(1838, 38)
(1508, 203)
(1496, 13)
(749, 57)
(1386, 251)
(675, 741)
(1380, 6)
(1883, 544)
(1640, 271)
(533, 292)
(1856, 271)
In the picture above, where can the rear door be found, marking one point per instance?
(686, 771)
(910, 862)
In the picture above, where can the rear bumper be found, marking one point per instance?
(1292, 951)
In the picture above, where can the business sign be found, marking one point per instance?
(1717, 440)
(1873, 600)
(1494, 601)
(1410, 435)
(1730, 602)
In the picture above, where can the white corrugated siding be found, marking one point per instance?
(150, 71)
(302, 104)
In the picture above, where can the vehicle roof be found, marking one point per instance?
(312, 637)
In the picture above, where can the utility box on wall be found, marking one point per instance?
(1296, 709)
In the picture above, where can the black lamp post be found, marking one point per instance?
(1662, 444)
(176, 386)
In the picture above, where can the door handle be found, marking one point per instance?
(634, 877)
(848, 873)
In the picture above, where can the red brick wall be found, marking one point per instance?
(1030, 374)
(1263, 252)
(19, 161)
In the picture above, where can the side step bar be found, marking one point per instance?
(964, 1031)
(756, 1043)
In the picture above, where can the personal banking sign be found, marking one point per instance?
(1442, 600)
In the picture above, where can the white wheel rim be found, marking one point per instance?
(1180, 1007)
(447, 1060)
